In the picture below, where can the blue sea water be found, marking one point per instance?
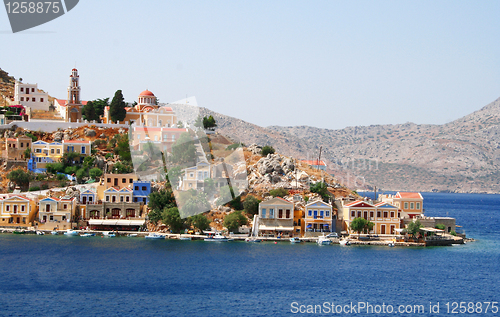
(73, 276)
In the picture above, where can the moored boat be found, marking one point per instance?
(70, 232)
(252, 239)
(55, 233)
(87, 234)
(345, 242)
(218, 237)
(40, 233)
(324, 241)
(154, 235)
(295, 240)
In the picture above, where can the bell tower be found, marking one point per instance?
(74, 105)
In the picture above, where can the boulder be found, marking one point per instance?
(90, 133)
(57, 136)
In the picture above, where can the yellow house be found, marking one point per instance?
(276, 217)
(44, 152)
(17, 211)
(115, 180)
(76, 146)
(410, 203)
(115, 194)
(384, 216)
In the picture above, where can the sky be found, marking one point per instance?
(328, 64)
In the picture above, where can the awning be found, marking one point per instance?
(309, 226)
(274, 228)
(429, 229)
(114, 222)
(325, 225)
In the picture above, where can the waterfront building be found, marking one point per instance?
(318, 218)
(141, 191)
(410, 203)
(276, 217)
(28, 95)
(88, 196)
(115, 194)
(17, 211)
(384, 216)
(56, 212)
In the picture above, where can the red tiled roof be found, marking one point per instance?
(358, 202)
(12, 139)
(314, 162)
(408, 195)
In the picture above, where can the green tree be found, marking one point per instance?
(267, 150)
(234, 220)
(440, 226)
(358, 224)
(321, 189)
(278, 192)
(209, 123)
(251, 205)
(180, 124)
(20, 177)
(99, 106)
(200, 222)
(81, 173)
(122, 168)
(95, 173)
(154, 216)
(53, 168)
(89, 112)
(199, 122)
(226, 194)
(27, 154)
(195, 204)
(413, 228)
(117, 106)
(174, 173)
(172, 218)
(161, 199)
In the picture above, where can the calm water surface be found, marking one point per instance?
(73, 276)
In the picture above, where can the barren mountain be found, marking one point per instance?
(459, 156)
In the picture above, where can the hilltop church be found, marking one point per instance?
(71, 109)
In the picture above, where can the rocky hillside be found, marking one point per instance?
(460, 156)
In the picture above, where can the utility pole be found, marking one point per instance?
(319, 158)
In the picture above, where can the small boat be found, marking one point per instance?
(70, 232)
(154, 235)
(218, 238)
(40, 233)
(54, 233)
(391, 244)
(185, 238)
(131, 235)
(295, 240)
(252, 240)
(109, 234)
(22, 231)
(87, 234)
(324, 241)
(345, 242)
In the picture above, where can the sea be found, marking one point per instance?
(74, 276)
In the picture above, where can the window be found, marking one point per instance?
(107, 197)
(418, 206)
(392, 214)
(378, 214)
(288, 214)
(109, 180)
(127, 199)
(371, 215)
(22, 98)
(280, 213)
(7, 208)
(412, 205)
(271, 213)
(406, 205)
(385, 214)
(124, 180)
(63, 218)
(121, 199)
(90, 199)
(321, 213)
(191, 175)
(353, 214)
(38, 151)
(263, 212)
(173, 137)
(136, 187)
(41, 99)
(51, 151)
(309, 213)
(51, 218)
(22, 144)
(165, 137)
(22, 208)
(130, 180)
(58, 151)
(138, 137)
(22, 89)
(327, 214)
(83, 150)
(359, 214)
(33, 90)
(33, 99)
(156, 138)
(143, 187)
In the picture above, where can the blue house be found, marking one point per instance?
(141, 191)
(88, 197)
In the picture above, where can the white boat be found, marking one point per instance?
(252, 239)
(87, 234)
(324, 241)
(295, 240)
(55, 233)
(345, 242)
(391, 244)
(109, 234)
(218, 238)
(154, 235)
(40, 233)
(185, 238)
(131, 235)
(70, 232)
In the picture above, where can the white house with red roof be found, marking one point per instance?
(410, 203)
(317, 164)
(276, 217)
(29, 95)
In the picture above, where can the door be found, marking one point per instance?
(84, 200)
(115, 212)
(382, 229)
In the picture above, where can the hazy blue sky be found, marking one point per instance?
(328, 64)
